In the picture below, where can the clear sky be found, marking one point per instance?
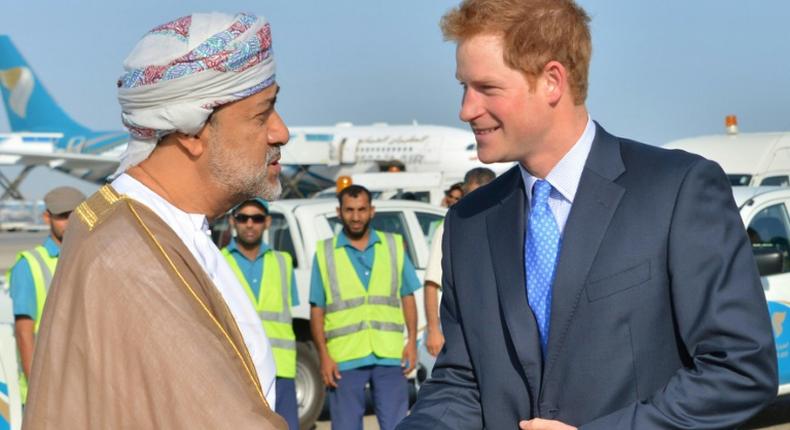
(660, 70)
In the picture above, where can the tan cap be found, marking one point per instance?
(63, 199)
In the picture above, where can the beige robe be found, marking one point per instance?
(134, 334)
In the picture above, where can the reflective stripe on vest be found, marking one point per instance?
(42, 269)
(273, 305)
(357, 321)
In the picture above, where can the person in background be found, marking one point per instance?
(361, 296)
(30, 277)
(434, 340)
(453, 194)
(268, 280)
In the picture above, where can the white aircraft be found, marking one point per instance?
(43, 134)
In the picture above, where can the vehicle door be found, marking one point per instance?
(769, 234)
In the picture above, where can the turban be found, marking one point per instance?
(180, 71)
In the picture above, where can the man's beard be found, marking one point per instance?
(354, 236)
(240, 176)
(246, 243)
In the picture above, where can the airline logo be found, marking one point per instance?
(19, 82)
(778, 311)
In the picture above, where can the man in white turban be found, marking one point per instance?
(145, 324)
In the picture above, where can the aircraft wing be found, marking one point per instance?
(88, 166)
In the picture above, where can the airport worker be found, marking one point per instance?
(268, 280)
(434, 340)
(30, 277)
(361, 296)
(146, 325)
(600, 283)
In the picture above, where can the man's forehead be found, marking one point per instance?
(251, 208)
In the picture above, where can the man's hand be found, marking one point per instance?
(409, 361)
(540, 424)
(329, 372)
(434, 341)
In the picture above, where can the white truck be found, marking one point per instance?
(764, 211)
(297, 225)
(752, 159)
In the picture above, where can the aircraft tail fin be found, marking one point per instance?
(27, 103)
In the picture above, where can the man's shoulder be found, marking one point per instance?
(105, 223)
(488, 196)
(636, 153)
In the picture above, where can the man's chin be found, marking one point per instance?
(272, 190)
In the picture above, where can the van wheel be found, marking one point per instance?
(309, 386)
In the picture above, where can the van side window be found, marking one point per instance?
(770, 228)
(280, 236)
(781, 180)
(388, 222)
(428, 223)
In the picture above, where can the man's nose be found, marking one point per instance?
(470, 106)
(278, 131)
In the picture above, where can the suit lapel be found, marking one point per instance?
(506, 241)
(594, 205)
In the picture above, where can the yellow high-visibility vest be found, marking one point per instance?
(273, 305)
(42, 269)
(360, 322)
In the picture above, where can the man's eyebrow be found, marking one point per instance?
(265, 103)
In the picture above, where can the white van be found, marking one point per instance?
(752, 159)
(764, 211)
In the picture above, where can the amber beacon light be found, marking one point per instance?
(342, 183)
(731, 124)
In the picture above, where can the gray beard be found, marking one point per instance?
(240, 177)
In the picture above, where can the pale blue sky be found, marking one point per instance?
(660, 70)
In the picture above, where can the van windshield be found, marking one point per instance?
(739, 179)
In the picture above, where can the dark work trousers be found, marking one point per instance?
(390, 397)
(285, 405)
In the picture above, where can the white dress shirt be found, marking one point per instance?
(564, 177)
(193, 230)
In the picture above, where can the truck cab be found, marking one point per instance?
(749, 159)
(764, 211)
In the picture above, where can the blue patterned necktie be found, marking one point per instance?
(540, 257)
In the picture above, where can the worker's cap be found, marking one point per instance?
(263, 204)
(63, 199)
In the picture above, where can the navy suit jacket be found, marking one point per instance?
(658, 316)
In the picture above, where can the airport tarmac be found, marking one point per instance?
(13, 242)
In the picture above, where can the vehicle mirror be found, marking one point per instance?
(769, 258)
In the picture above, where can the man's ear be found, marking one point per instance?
(554, 81)
(196, 145)
(267, 223)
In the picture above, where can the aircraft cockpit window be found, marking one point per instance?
(470, 147)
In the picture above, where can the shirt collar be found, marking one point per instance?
(342, 239)
(234, 247)
(52, 247)
(564, 177)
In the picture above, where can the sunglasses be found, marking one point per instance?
(243, 218)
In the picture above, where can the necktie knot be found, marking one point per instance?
(540, 193)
